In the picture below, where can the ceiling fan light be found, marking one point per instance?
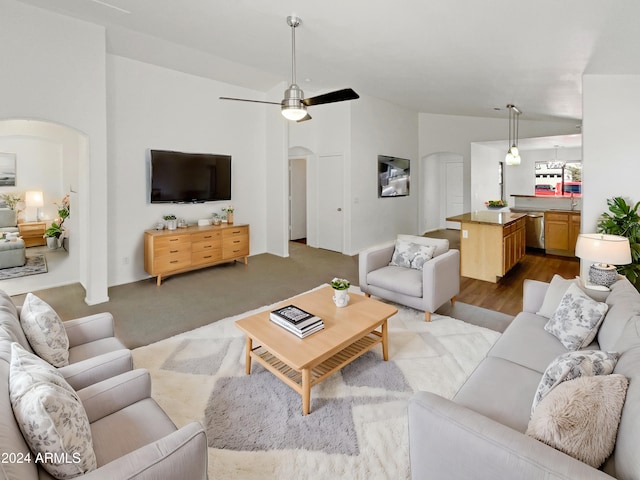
(292, 106)
(294, 113)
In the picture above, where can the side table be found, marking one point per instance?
(32, 233)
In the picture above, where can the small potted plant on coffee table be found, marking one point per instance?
(340, 287)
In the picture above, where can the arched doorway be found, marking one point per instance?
(48, 159)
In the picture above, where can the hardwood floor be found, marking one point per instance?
(506, 295)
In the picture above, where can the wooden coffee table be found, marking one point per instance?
(348, 333)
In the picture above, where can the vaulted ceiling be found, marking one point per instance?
(459, 57)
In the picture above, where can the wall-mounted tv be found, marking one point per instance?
(394, 176)
(179, 177)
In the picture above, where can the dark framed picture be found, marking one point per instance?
(393, 176)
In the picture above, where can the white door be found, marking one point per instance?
(297, 198)
(330, 202)
(454, 193)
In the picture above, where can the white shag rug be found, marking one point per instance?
(357, 427)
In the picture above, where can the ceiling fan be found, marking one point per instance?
(294, 105)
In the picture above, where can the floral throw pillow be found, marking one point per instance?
(43, 328)
(572, 365)
(411, 255)
(577, 319)
(50, 415)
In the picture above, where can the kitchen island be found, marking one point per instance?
(491, 243)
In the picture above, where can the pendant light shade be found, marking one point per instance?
(513, 154)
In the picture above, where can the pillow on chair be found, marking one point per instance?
(441, 244)
(411, 255)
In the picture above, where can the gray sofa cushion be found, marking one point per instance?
(515, 343)
(624, 303)
(11, 439)
(10, 322)
(502, 391)
(625, 457)
(7, 218)
(115, 435)
(407, 281)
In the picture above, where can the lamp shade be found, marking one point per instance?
(604, 248)
(33, 198)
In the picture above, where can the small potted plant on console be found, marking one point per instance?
(172, 222)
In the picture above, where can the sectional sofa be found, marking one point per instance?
(482, 432)
(126, 433)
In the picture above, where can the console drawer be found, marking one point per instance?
(175, 261)
(171, 240)
(235, 246)
(205, 257)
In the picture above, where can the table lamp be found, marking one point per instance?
(34, 198)
(607, 251)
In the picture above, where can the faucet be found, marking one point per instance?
(574, 202)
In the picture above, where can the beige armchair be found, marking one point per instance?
(427, 289)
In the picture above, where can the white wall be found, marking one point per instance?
(455, 134)
(153, 107)
(55, 70)
(611, 143)
(381, 128)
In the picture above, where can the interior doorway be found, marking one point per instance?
(331, 202)
(298, 199)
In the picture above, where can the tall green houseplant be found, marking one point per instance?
(623, 220)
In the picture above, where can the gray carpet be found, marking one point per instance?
(35, 264)
(145, 313)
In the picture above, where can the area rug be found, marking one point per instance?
(357, 427)
(35, 264)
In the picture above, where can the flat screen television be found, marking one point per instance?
(178, 177)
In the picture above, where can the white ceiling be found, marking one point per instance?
(460, 57)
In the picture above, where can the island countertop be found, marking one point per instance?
(488, 217)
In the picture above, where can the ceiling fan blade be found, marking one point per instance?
(331, 97)
(305, 118)
(247, 100)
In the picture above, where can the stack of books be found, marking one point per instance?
(296, 320)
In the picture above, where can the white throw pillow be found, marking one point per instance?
(44, 329)
(411, 255)
(423, 255)
(50, 415)
(577, 319)
(441, 244)
(581, 417)
(572, 365)
(555, 291)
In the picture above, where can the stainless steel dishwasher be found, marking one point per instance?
(534, 228)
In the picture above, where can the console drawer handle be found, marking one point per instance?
(207, 256)
(173, 261)
(174, 239)
(173, 251)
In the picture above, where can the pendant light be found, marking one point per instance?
(513, 154)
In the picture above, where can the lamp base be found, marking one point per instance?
(603, 274)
